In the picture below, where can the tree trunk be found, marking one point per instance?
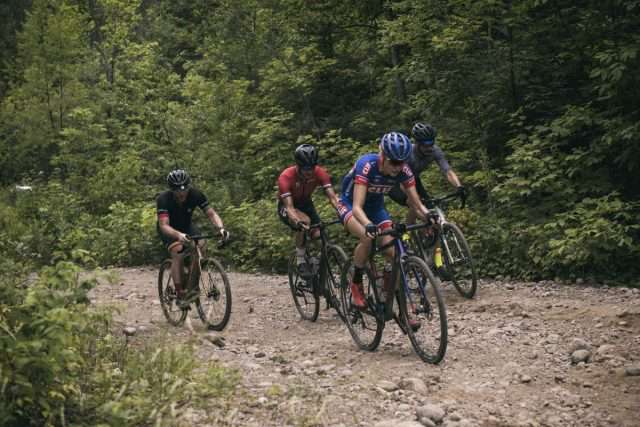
(401, 91)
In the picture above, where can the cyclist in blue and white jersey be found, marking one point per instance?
(361, 205)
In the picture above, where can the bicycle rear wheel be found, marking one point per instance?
(458, 265)
(423, 311)
(336, 260)
(306, 300)
(214, 300)
(168, 296)
(365, 324)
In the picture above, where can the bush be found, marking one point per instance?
(61, 364)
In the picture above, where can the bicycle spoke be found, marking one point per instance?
(423, 312)
(363, 324)
(307, 304)
(214, 300)
(458, 264)
(168, 297)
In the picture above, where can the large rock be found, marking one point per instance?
(580, 356)
(388, 386)
(433, 412)
(604, 352)
(414, 384)
(578, 344)
(632, 371)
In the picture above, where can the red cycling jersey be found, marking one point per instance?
(291, 184)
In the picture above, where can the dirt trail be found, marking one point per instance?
(509, 360)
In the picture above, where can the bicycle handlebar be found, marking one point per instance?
(197, 237)
(399, 229)
(324, 224)
(438, 200)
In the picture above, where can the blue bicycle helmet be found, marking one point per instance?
(396, 146)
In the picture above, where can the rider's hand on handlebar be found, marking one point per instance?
(183, 238)
(371, 230)
(302, 225)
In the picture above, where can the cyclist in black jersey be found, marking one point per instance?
(425, 152)
(175, 209)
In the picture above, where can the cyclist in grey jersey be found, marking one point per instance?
(425, 152)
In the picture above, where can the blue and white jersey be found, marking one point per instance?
(366, 171)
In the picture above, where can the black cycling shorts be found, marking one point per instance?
(305, 207)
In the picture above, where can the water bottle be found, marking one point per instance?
(437, 257)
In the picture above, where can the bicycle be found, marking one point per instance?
(421, 312)
(446, 250)
(324, 278)
(206, 286)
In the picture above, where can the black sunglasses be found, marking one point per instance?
(396, 162)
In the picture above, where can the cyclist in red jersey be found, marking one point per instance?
(296, 184)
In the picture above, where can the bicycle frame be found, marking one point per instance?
(400, 254)
(324, 242)
(440, 220)
(194, 250)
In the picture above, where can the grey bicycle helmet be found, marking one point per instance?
(306, 156)
(178, 179)
(424, 133)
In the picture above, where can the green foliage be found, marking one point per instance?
(60, 363)
(260, 239)
(535, 103)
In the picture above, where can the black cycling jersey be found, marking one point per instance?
(180, 214)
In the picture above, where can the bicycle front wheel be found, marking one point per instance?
(168, 296)
(365, 324)
(306, 300)
(336, 260)
(214, 300)
(457, 265)
(423, 312)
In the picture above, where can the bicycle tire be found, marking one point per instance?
(214, 300)
(336, 260)
(466, 284)
(168, 297)
(428, 308)
(305, 298)
(365, 325)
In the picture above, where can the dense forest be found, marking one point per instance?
(536, 103)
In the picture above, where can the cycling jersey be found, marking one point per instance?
(180, 214)
(418, 161)
(294, 185)
(366, 171)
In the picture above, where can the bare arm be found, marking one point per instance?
(453, 178)
(359, 196)
(414, 202)
(214, 218)
(169, 231)
(331, 195)
(291, 211)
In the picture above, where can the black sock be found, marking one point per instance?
(357, 274)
